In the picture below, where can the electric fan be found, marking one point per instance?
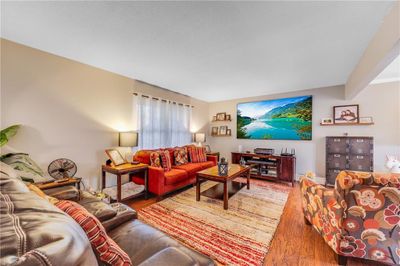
(62, 168)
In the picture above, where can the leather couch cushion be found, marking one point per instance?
(193, 168)
(175, 176)
(142, 242)
(95, 206)
(173, 255)
(35, 232)
(124, 214)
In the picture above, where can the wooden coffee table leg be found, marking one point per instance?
(197, 188)
(225, 195)
(248, 179)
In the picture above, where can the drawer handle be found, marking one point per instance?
(336, 155)
(360, 140)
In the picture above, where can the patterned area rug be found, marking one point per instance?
(240, 235)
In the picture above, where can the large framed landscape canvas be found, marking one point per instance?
(283, 119)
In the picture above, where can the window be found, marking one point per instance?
(162, 123)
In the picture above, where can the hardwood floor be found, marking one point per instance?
(294, 243)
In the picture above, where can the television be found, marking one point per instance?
(279, 119)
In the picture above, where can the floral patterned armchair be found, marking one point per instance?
(360, 217)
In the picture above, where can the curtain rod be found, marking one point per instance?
(158, 99)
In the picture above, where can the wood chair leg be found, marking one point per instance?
(341, 260)
(307, 222)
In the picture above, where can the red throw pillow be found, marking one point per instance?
(107, 250)
(165, 160)
(197, 154)
(155, 159)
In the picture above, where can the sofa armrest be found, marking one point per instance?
(212, 158)
(322, 210)
(156, 180)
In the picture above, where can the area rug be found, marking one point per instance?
(240, 235)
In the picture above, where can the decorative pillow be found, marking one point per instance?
(107, 250)
(181, 156)
(165, 160)
(26, 168)
(155, 159)
(197, 154)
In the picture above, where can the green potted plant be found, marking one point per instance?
(8, 133)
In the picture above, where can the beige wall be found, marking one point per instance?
(69, 109)
(380, 101)
(382, 49)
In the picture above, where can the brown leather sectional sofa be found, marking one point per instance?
(35, 232)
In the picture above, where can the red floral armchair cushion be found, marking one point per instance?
(360, 217)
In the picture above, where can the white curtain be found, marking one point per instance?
(161, 123)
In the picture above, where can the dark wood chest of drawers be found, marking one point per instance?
(348, 153)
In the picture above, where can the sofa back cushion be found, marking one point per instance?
(143, 156)
(181, 156)
(197, 154)
(35, 232)
(107, 250)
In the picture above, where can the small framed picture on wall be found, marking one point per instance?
(222, 130)
(346, 114)
(221, 116)
(214, 131)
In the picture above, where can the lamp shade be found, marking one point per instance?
(128, 139)
(199, 137)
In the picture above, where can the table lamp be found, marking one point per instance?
(128, 139)
(200, 138)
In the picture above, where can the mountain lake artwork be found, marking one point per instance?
(283, 119)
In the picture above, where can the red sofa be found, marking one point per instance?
(161, 182)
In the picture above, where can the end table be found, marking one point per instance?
(125, 169)
(53, 184)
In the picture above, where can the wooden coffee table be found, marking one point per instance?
(227, 187)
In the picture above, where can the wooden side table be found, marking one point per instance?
(125, 169)
(71, 181)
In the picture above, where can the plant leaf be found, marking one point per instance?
(8, 133)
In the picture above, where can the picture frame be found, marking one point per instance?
(221, 116)
(228, 117)
(327, 121)
(366, 120)
(115, 156)
(208, 148)
(228, 132)
(214, 118)
(346, 114)
(214, 131)
(222, 130)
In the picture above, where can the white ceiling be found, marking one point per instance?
(390, 73)
(209, 50)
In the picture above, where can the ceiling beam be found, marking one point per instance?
(381, 51)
